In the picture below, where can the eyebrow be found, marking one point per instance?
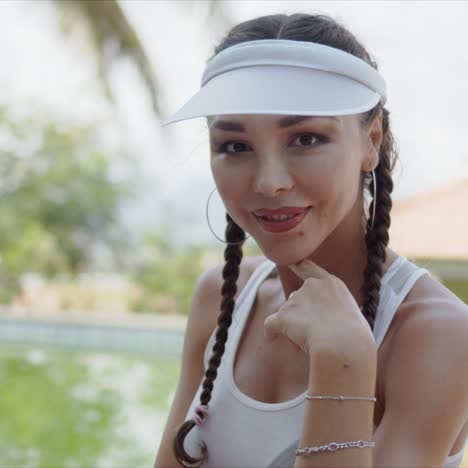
(288, 121)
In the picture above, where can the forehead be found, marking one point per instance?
(240, 122)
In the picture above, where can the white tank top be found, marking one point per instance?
(243, 432)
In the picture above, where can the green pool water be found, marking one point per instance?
(64, 409)
(81, 409)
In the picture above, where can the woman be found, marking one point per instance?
(337, 351)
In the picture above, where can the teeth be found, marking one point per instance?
(279, 217)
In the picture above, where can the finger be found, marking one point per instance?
(308, 269)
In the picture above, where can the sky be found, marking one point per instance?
(419, 47)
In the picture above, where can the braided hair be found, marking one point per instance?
(321, 29)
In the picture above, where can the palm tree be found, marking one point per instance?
(112, 36)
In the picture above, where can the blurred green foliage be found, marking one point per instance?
(58, 198)
(167, 273)
(458, 286)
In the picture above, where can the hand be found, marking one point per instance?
(322, 315)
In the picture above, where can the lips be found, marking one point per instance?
(286, 210)
(284, 225)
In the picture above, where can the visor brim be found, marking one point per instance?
(272, 89)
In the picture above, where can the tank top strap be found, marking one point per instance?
(397, 287)
(404, 280)
(247, 296)
(242, 306)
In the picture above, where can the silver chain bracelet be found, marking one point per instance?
(332, 446)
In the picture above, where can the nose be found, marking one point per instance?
(272, 178)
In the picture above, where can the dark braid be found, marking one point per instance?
(325, 30)
(233, 257)
(377, 238)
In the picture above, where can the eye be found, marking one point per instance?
(305, 138)
(223, 147)
(308, 137)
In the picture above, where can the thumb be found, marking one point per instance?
(272, 326)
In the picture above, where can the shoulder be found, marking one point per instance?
(426, 375)
(428, 347)
(430, 316)
(211, 280)
(208, 289)
(427, 301)
(433, 320)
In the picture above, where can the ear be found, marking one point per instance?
(374, 139)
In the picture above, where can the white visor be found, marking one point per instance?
(285, 77)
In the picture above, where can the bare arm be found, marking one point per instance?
(426, 398)
(328, 421)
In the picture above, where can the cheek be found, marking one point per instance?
(230, 182)
(230, 193)
(318, 178)
(234, 195)
(345, 189)
(330, 184)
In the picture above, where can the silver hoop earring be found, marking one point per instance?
(375, 198)
(211, 229)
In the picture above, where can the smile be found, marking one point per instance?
(281, 223)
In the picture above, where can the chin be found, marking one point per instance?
(284, 254)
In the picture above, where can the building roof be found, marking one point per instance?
(433, 223)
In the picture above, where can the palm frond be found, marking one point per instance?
(113, 37)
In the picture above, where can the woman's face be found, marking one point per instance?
(274, 161)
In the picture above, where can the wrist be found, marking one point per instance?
(351, 346)
(333, 372)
